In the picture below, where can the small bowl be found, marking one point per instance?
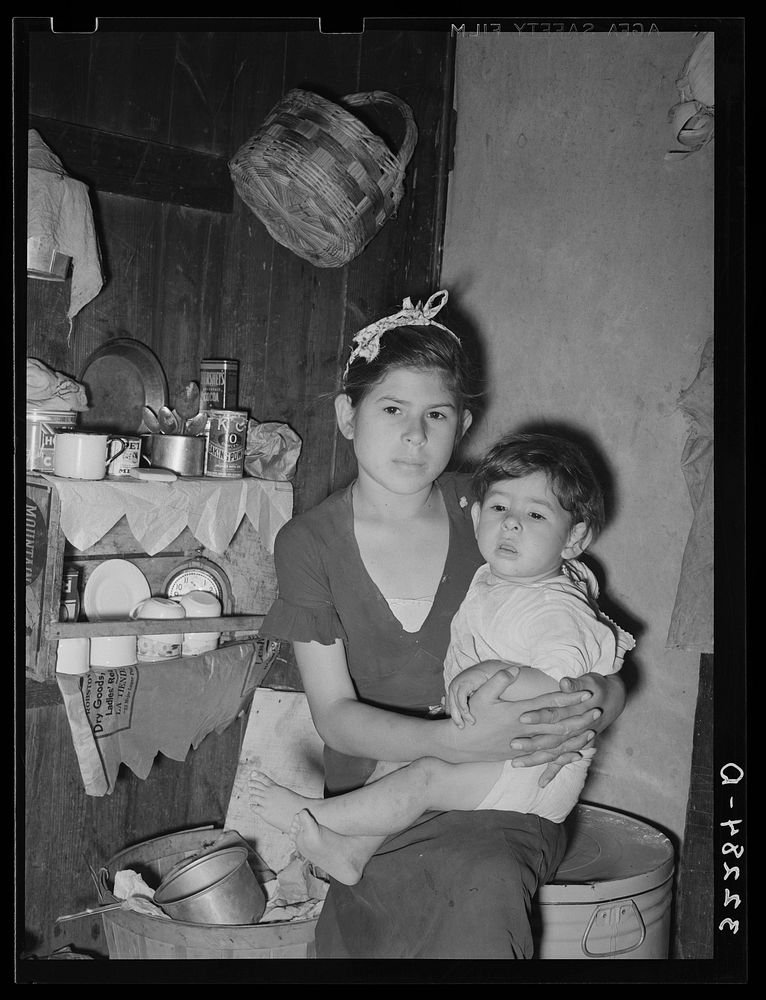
(157, 607)
(200, 604)
(153, 648)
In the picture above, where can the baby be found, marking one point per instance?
(538, 506)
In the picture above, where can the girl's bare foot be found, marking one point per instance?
(333, 852)
(274, 803)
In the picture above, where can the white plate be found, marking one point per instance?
(113, 589)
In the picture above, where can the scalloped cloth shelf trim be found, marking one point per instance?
(157, 513)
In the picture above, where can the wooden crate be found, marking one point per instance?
(44, 560)
(246, 563)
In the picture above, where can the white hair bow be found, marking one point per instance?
(367, 341)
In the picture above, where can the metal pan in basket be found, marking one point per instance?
(122, 377)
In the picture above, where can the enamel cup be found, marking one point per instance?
(167, 646)
(83, 455)
(122, 461)
(73, 655)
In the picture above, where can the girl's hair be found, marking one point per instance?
(426, 348)
(569, 473)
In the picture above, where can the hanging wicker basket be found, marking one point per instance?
(321, 183)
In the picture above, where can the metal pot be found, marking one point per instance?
(181, 453)
(217, 888)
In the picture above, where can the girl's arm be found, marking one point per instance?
(352, 727)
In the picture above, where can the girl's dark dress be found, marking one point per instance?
(455, 884)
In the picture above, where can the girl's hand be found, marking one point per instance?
(563, 726)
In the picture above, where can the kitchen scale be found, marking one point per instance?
(200, 574)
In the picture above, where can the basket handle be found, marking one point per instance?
(407, 147)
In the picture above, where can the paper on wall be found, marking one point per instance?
(130, 714)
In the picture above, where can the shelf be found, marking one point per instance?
(246, 515)
(154, 626)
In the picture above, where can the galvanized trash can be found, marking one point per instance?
(611, 897)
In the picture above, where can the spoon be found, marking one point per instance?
(196, 424)
(168, 422)
(151, 421)
(90, 910)
(187, 401)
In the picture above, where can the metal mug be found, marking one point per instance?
(123, 461)
(181, 453)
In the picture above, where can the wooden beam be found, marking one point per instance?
(695, 897)
(139, 168)
(153, 626)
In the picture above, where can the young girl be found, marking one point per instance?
(369, 581)
(538, 506)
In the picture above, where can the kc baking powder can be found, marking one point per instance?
(219, 383)
(226, 441)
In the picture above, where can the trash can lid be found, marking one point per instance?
(610, 855)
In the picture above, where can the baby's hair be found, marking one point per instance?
(424, 348)
(564, 463)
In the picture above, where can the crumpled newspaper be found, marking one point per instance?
(130, 887)
(271, 450)
(51, 390)
(297, 893)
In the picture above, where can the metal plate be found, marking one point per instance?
(121, 377)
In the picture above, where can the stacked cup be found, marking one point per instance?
(152, 648)
(200, 604)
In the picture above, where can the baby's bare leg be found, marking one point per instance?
(274, 803)
(343, 857)
(395, 801)
(341, 834)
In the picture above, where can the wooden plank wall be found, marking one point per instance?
(695, 896)
(192, 279)
(192, 282)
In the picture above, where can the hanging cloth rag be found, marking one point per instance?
(693, 117)
(51, 390)
(59, 213)
(691, 623)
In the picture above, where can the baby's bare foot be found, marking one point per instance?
(328, 850)
(274, 803)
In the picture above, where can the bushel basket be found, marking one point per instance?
(321, 183)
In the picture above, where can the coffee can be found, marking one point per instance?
(69, 608)
(226, 441)
(219, 383)
(42, 427)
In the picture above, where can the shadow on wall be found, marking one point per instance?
(464, 326)
(604, 472)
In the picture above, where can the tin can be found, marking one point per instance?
(69, 609)
(219, 383)
(226, 440)
(42, 426)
